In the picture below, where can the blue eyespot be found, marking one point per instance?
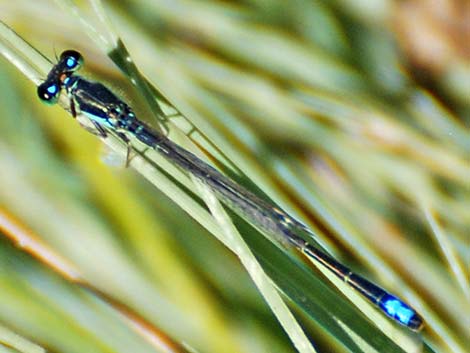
(48, 93)
(71, 62)
(52, 89)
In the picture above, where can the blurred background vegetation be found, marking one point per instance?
(352, 115)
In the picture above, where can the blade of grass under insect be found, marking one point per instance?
(265, 286)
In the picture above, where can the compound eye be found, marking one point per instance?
(48, 93)
(72, 60)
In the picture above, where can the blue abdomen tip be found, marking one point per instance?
(401, 312)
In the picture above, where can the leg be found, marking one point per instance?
(99, 130)
(73, 111)
(129, 147)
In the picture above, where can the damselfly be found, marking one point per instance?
(108, 113)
